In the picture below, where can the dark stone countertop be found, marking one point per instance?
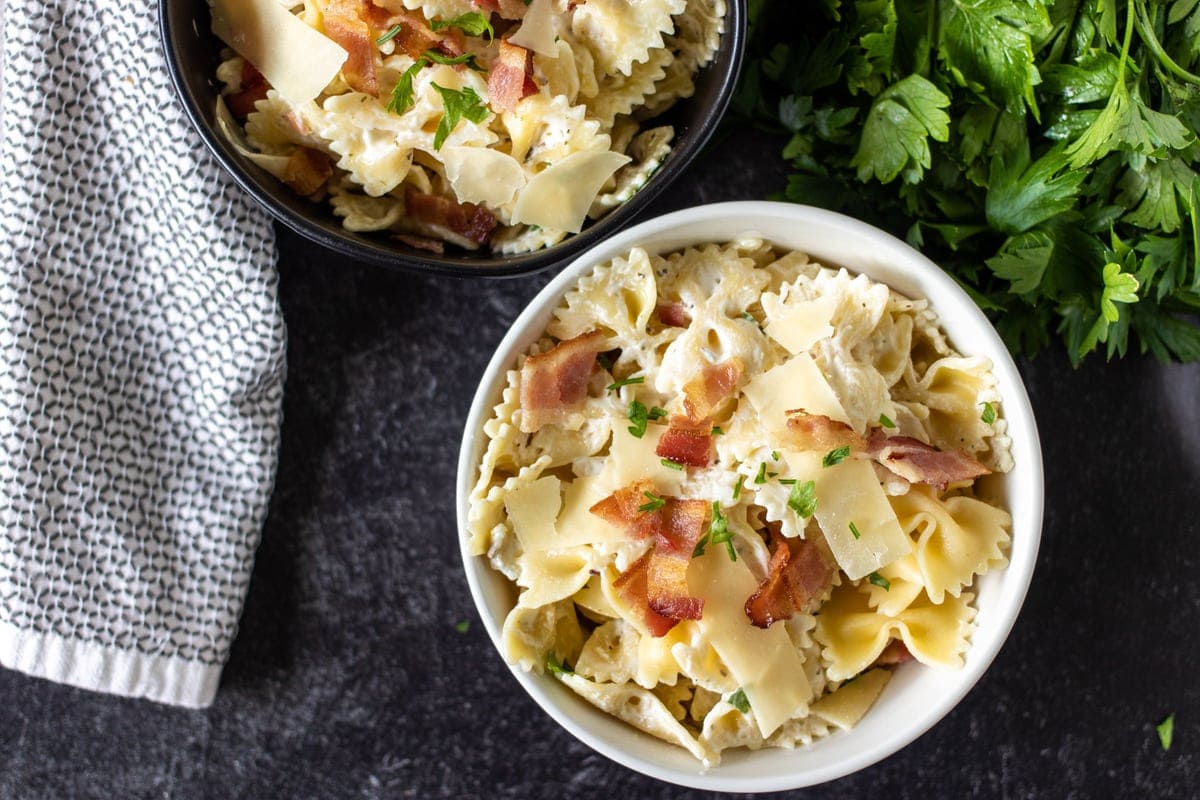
(348, 678)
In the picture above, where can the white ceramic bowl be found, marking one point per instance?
(917, 696)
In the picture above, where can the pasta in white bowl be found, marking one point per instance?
(750, 477)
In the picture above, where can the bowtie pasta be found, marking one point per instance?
(734, 489)
(443, 122)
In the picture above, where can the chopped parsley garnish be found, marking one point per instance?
(655, 503)
(666, 462)
(402, 92)
(718, 430)
(761, 477)
(612, 387)
(453, 61)
(835, 456)
(774, 455)
(886, 421)
(387, 37)
(878, 580)
(738, 700)
(457, 103)
(554, 666)
(737, 488)
(787, 481)
(854, 530)
(472, 23)
(604, 360)
(989, 414)
(1166, 731)
(640, 416)
(718, 533)
(746, 315)
(464, 626)
(803, 498)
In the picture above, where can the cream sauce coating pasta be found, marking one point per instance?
(902, 552)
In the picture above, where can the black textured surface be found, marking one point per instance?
(348, 678)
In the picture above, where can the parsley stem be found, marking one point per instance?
(1146, 31)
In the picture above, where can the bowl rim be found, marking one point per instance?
(366, 249)
(1026, 480)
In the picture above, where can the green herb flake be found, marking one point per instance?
(835, 456)
(787, 481)
(761, 477)
(639, 416)
(718, 430)
(472, 24)
(738, 700)
(392, 32)
(458, 104)
(774, 455)
(803, 498)
(656, 413)
(878, 580)
(556, 667)
(402, 92)
(463, 627)
(989, 414)
(886, 421)
(612, 387)
(737, 489)
(654, 504)
(452, 61)
(854, 531)
(718, 531)
(669, 464)
(1166, 731)
(605, 361)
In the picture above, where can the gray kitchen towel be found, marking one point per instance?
(141, 364)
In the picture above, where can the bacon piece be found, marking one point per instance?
(510, 78)
(555, 382)
(631, 586)
(622, 509)
(423, 243)
(686, 441)
(918, 462)
(673, 314)
(714, 385)
(471, 221)
(346, 23)
(307, 170)
(796, 574)
(896, 652)
(819, 432)
(253, 88)
(683, 523)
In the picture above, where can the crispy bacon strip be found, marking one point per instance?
(621, 509)
(918, 462)
(819, 432)
(673, 314)
(253, 88)
(307, 170)
(471, 221)
(686, 441)
(555, 382)
(713, 386)
(631, 586)
(510, 78)
(346, 22)
(796, 573)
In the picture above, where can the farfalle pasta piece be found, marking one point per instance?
(610, 654)
(854, 635)
(954, 390)
(530, 633)
(621, 33)
(649, 149)
(620, 94)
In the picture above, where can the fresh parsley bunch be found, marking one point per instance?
(1043, 151)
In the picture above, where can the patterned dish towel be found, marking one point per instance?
(141, 364)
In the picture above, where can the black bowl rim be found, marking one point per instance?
(366, 249)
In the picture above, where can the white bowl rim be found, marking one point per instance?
(726, 221)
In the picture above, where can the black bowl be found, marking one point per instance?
(192, 53)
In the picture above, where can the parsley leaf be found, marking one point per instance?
(878, 580)
(669, 464)
(554, 666)
(612, 387)
(391, 33)
(803, 498)
(739, 701)
(402, 92)
(458, 103)
(886, 421)
(895, 137)
(854, 531)
(472, 24)
(718, 531)
(1166, 731)
(836, 456)
(989, 414)
(639, 416)
(654, 504)
(463, 626)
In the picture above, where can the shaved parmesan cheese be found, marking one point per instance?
(552, 575)
(849, 492)
(577, 523)
(298, 61)
(766, 664)
(631, 459)
(846, 706)
(796, 383)
(799, 325)
(532, 509)
(537, 31)
(559, 197)
(482, 175)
